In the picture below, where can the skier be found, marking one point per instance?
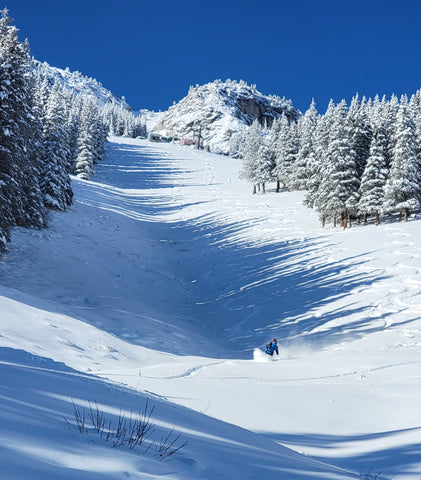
(272, 347)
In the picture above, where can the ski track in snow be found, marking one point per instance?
(165, 250)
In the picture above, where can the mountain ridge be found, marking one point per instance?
(79, 83)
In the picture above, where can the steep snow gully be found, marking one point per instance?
(163, 278)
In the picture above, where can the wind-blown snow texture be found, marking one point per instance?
(160, 282)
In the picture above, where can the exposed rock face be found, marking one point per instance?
(222, 108)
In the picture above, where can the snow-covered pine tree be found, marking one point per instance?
(264, 167)
(389, 112)
(91, 140)
(55, 183)
(74, 110)
(337, 195)
(286, 153)
(237, 144)
(140, 129)
(360, 133)
(403, 186)
(122, 122)
(374, 178)
(306, 151)
(35, 208)
(415, 112)
(19, 186)
(252, 145)
(317, 164)
(273, 139)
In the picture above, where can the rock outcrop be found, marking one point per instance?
(219, 109)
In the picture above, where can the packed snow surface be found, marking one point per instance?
(164, 282)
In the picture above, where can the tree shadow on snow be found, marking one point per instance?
(206, 281)
(248, 293)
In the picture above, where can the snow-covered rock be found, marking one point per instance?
(221, 109)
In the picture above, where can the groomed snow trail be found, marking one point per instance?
(167, 273)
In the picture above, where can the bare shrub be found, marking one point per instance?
(131, 431)
(80, 418)
(97, 418)
(167, 446)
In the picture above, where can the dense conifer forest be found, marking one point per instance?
(48, 132)
(356, 163)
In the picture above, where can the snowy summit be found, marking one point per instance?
(221, 109)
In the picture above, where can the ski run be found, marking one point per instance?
(159, 289)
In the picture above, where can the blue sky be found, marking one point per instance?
(151, 52)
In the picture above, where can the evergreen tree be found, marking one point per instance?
(337, 196)
(73, 121)
(403, 186)
(389, 119)
(360, 133)
(35, 208)
(19, 178)
(264, 166)
(286, 153)
(237, 144)
(253, 143)
(317, 163)
(374, 178)
(415, 113)
(274, 138)
(91, 139)
(306, 151)
(55, 184)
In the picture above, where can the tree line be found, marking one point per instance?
(355, 163)
(48, 132)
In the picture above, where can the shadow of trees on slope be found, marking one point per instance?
(233, 293)
(246, 292)
(249, 292)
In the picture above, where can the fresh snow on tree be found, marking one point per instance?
(286, 149)
(374, 178)
(20, 134)
(403, 186)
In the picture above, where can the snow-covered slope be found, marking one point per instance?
(161, 281)
(221, 108)
(80, 83)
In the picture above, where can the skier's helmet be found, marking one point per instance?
(274, 340)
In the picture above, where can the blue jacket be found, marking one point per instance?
(272, 347)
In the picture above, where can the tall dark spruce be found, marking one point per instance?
(20, 135)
